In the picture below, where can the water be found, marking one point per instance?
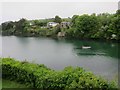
(102, 58)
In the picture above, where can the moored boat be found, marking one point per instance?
(86, 47)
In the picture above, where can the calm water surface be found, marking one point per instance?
(102, 58)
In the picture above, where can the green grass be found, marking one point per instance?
(12, 84)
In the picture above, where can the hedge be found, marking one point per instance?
(39, 76)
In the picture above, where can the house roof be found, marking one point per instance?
(52, 22)
(65, 22)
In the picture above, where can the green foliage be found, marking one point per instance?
(71, 32)
(39, 76)
(74, 20)
(118, 12)
(58, 19)
(102, 26)
(20, 24)
(66, 19)
(11, 84)
(86, 25)
(114, 27)
(8, 28)
(40, 22)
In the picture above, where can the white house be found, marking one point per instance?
(52, 24)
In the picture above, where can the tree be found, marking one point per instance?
(118, 12)
(20, 25)
(73, 20)
(104, 20)
(58, 19)
(86, 25)
(7, 25)
(115, 26)
(36, 22)
(8, 28)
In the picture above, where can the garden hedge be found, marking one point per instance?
(39, 76)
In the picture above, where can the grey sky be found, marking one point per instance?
(36, 10)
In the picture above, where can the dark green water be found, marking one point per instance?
(102, 58)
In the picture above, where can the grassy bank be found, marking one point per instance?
(40, 76)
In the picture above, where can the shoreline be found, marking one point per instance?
(69, 38)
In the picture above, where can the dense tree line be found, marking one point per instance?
(101, 26)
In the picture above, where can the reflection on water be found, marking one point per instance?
(101, 58)
(98, 48)
(82, 51)
(91, 53)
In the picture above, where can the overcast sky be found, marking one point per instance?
(36, 10)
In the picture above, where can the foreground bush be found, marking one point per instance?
(39, 76)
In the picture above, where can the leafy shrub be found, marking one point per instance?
(39, 76)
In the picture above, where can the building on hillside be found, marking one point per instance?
(52, 24)
(65, 25)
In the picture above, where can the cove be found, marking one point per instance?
(101, 58)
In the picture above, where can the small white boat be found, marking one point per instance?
(86, 47)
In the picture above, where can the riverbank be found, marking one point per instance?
(40, 76)
(103, 26)
(70, 38)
